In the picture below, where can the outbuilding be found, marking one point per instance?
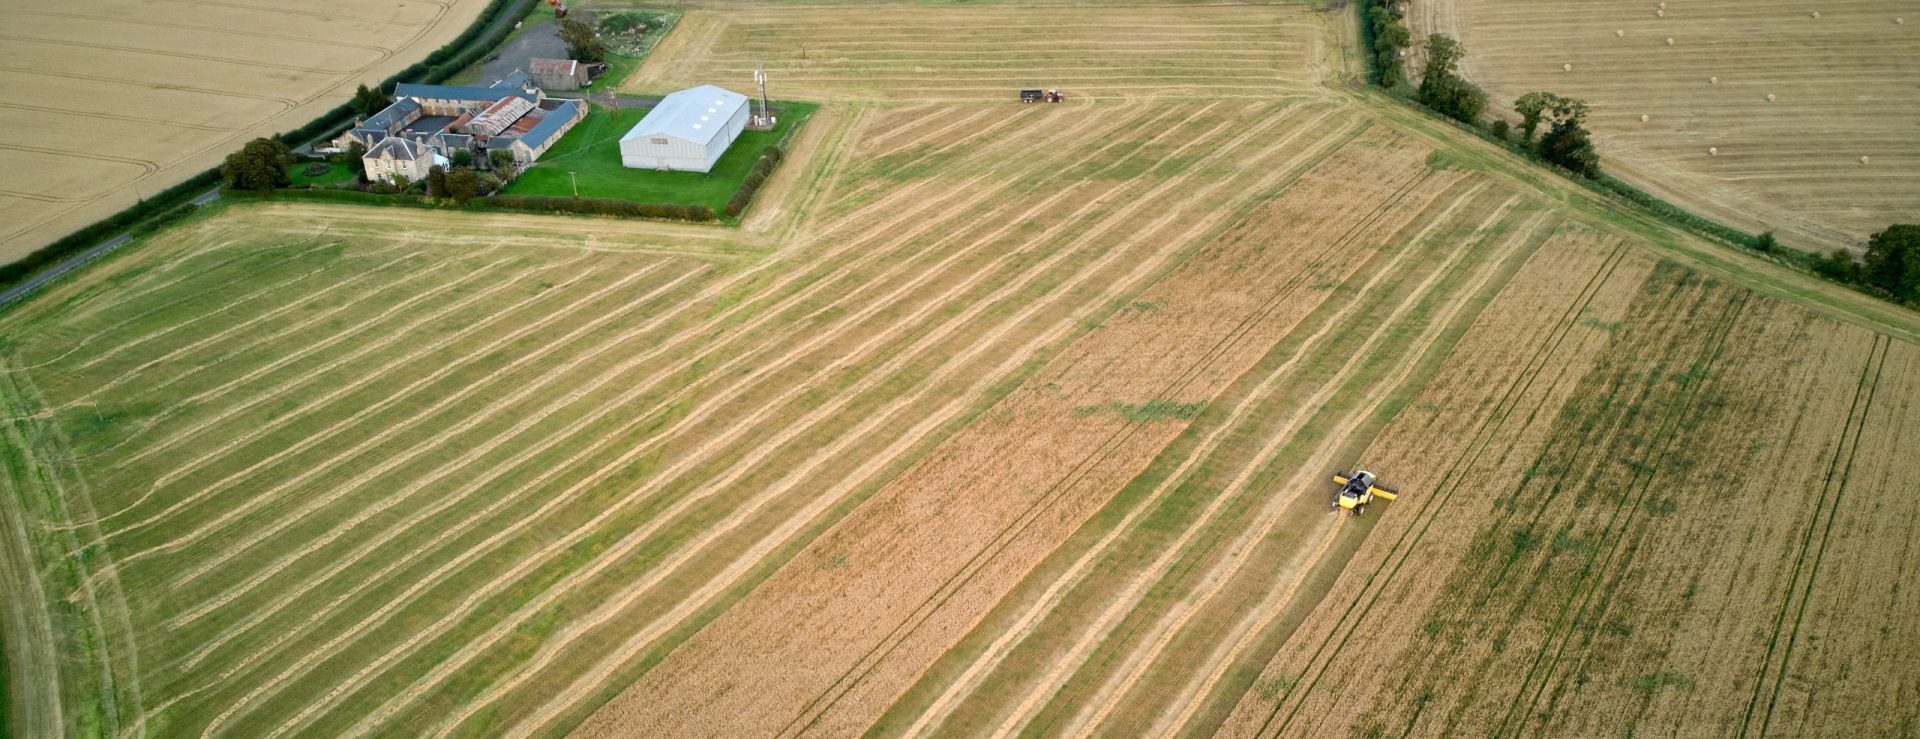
(687, 131)
(558, 74)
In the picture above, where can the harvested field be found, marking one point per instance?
(915, 52)
(1791, 101)
(110, 101)
(990, 420)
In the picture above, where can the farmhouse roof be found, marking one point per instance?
(694, 114)
(396, 147)
(565, 67)
(555, 120)
(454, 92)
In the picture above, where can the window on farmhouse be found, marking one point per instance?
(659, 139)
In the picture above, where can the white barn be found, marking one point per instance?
(687, 131)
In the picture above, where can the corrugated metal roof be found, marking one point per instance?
(452, 92)
(694, 114)
(552, 66)
(498, 116)
(556, 119)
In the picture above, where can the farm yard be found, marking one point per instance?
(112, 102)
(990, 419)
(1794, 98)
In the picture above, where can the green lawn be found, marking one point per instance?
(591, 151)
(335, 174)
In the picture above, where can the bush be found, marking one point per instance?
(1500, 130)
(756, 177)
(1766, 243)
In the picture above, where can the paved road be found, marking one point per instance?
(18, 291)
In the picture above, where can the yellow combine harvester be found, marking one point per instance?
(1357, 489)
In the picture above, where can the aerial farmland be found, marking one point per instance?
(989, 418)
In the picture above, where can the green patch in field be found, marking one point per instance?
(1152, 410)
(319, 174)
(590, 155)
(1653, 682)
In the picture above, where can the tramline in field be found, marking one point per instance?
(989, 420)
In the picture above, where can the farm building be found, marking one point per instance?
(512, 114)
(558, 74)
(688, 131)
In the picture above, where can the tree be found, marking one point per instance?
(1530, 107)
(260, 165)
(1766, 242)
(1441, 86)
(1389, 36)
(436, 181)
(369, 101)
(462, 185)
(356, 159)
(461, 158)
(501, 160)
(1569, 145)
(1893, 261)
(583, 42)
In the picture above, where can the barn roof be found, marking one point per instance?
(552, 66)
(515, 79)
(693, 114)
(455, 92)
(555, 120)
(392, 117)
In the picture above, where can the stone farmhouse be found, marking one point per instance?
(434, 121)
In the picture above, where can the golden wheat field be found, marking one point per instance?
(991, 419)
(111, 101)
(1812, 108)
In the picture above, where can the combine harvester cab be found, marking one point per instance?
(1357, 489)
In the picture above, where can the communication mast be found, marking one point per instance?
(765, 119)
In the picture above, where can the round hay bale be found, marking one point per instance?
(1644, 118)
(1713, 80)
(1669, 41)
(1619, 33)
(1816, 14)
(1713, 151)
(1899, 21)
(1863, 160)
(1566, 67)
(1660, 13)
(1770, 97)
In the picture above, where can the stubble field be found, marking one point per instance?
(111, 101)
(923, 53)
(1841, 87)
(990, 420)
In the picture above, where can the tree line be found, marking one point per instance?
(1892, 262)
